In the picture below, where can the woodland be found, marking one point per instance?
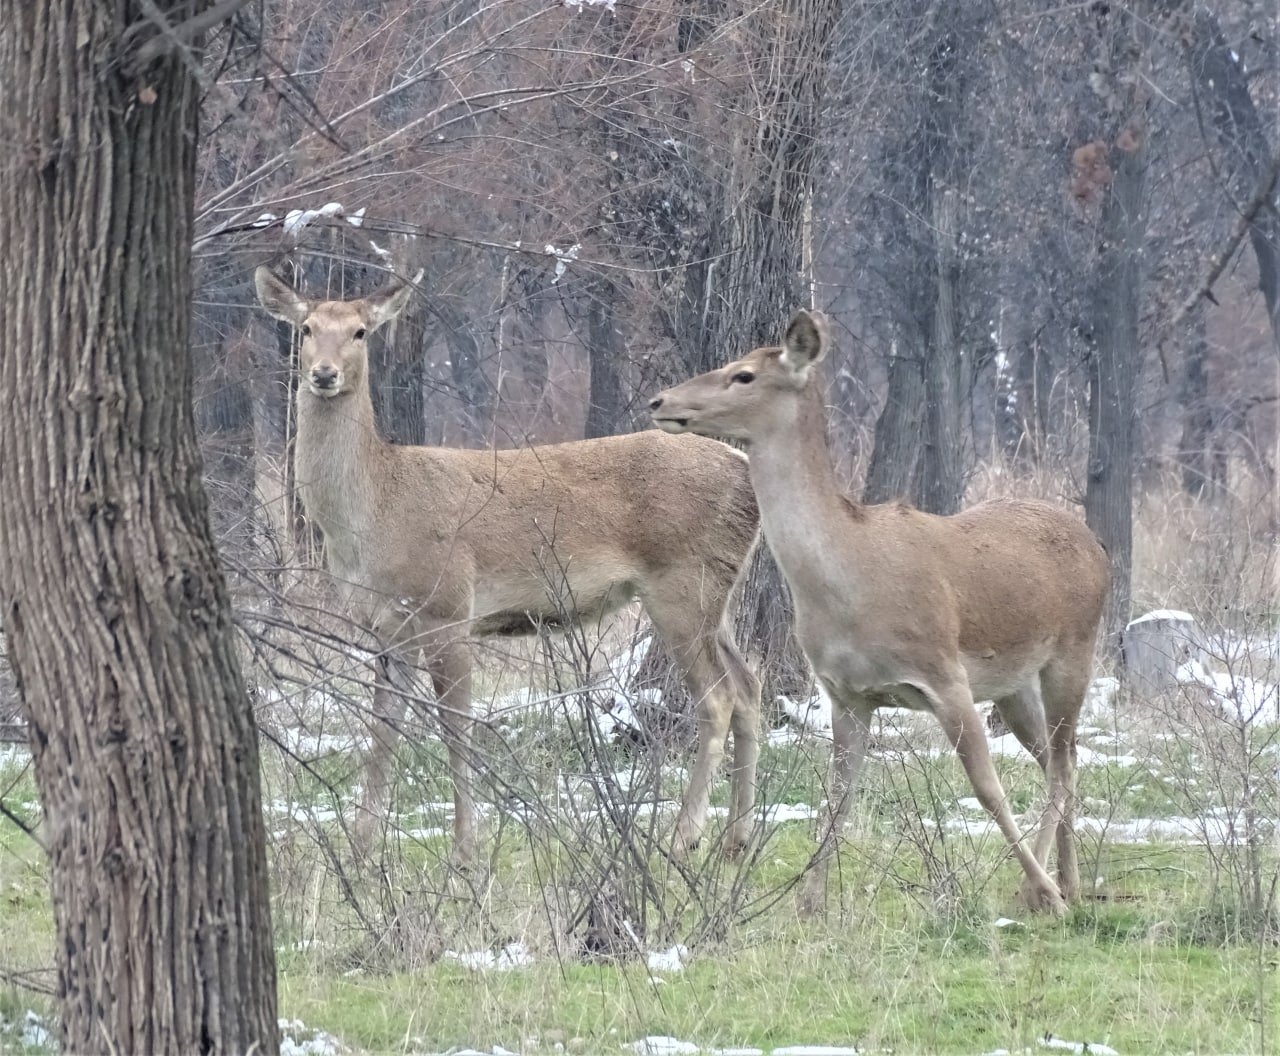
(1047, 242)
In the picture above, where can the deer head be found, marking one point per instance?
(334, 358)
(753, 396)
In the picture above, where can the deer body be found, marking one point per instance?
(897, 606)
(430, 545)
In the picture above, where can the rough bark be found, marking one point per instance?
(745, 279)
(941, 466)
(117, 618)
(397, 370)
(1114, 368)
(606, 403)
(897, 443)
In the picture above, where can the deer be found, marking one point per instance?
(434, 546)
(895, 606)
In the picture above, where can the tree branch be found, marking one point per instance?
(1261, 199)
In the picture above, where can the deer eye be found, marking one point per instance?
(743, 377)
(360, 334)
(306, 330)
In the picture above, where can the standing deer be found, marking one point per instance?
(896, 606)
(431, 544)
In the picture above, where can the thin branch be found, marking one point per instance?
(1261, 199)
(171, 38)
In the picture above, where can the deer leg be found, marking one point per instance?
(714, 699)
(1064, 684)
(745, 724)
(1023, 713)
(959, 718)
(390, 701)
(692, 633)
(450, 668)
(850, 730)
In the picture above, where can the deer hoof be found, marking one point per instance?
(1043, 897)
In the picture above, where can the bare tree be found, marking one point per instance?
(117, 616)
(1115, 167)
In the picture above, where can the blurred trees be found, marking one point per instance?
(1003, 208)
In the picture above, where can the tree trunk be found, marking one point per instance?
(941, 480)
(744, 281)
(919, 443)
(142, 735)
(897, 444)
(1220, 83)
(1194, 455)
(606, 401)
(397, 369)
(1114, 367)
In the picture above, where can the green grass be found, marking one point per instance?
(907, 957)
(857, 981)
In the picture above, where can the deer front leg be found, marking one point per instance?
(391, 684)
(451, 674)
(850, 730)
(746, 750)
(715, 710)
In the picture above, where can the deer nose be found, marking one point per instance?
(655, 403)
(324, 376)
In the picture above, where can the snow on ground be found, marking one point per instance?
(14, 755)
(512, 955)
(669, 960)
(297, 1039)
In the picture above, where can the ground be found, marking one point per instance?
(577, 933)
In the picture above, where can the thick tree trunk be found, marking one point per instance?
(117, 618)
(919, 442)
(397, 368)
(606, 412)
(745, 281)
(941, 474)
(1114, 368)
(897, 444)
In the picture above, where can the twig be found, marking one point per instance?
(177, 38)
(24, 979)
(1261, 198)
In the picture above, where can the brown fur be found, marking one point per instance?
(893, 605)
(433, 544)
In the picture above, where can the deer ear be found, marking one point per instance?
(280, 299)
(806, 341)
(387, 303)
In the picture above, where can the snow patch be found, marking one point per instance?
(1175, 615)
(292, 1042)
(1092, 1047)
(662, 1045)
(512, 955)
(669, 960)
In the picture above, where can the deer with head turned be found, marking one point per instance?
(895, 606)
(433, 544)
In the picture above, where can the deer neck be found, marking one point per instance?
(335, 461)
(805, 516)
